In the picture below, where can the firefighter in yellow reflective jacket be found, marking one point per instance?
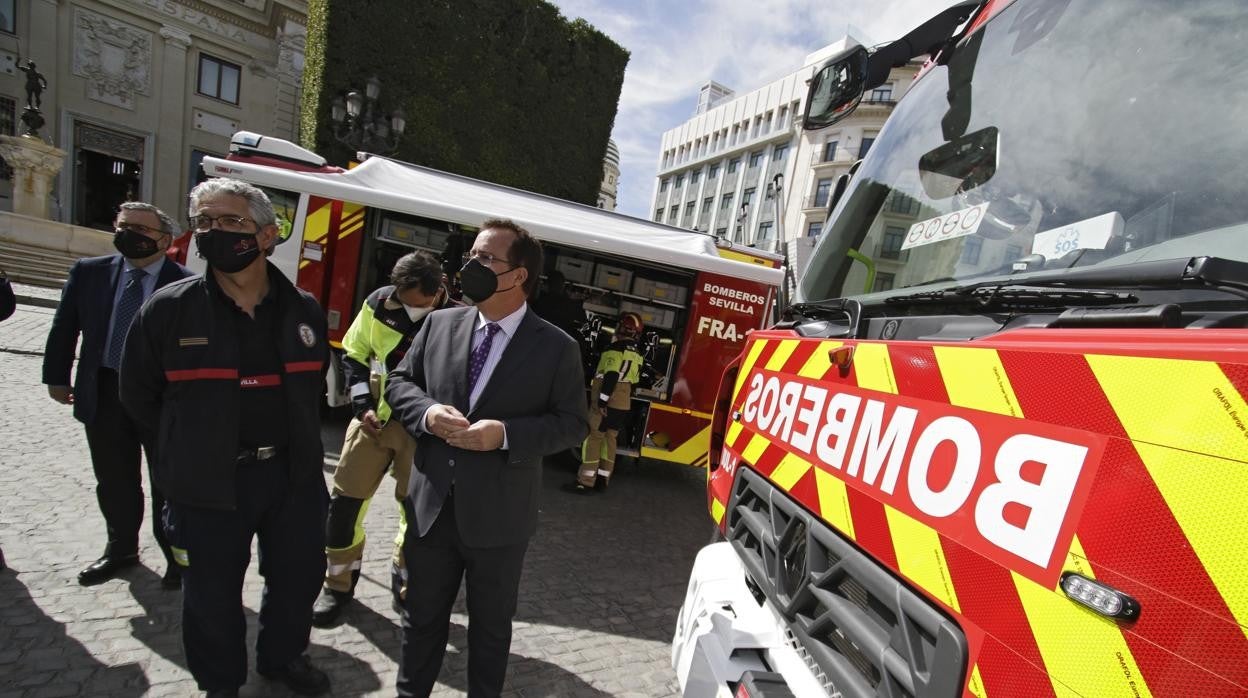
(374, 344)
(611, 396)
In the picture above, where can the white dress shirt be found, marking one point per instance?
(507, 328)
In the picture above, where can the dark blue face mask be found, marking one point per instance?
(226, 250)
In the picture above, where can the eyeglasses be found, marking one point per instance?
(138, 228)
(202, 224)
(486, 258)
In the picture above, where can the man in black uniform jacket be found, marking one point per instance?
(228, 370)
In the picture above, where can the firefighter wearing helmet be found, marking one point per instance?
(610, 396)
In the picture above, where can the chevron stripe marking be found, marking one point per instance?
(747, 364)
(1142, 538)
(784, 350)
(967, 370)
(873, 368)
(1099, 663)
(754, 450)
(921, 558)
(819, 362)
(791, 468)
(834, 502)
(976, 378)
(1200, 400)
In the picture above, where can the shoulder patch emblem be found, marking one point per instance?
(306, 335)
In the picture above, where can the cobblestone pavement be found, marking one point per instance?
(602, 583)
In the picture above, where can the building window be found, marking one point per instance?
(822, 190)
(671, 214)
(725, 202)
(883, 93)
(732, 165)
(784, 114)
(903, 204)
(764, 231)
(680, 181)
(747, 196)
(890, 247)
(883, 282)
(713, 172)
(658, 215)
(865, 146)
(778, 154)
(689, 213)
(8, 20)
(695, 176)
(755, 158)
(706, 205)
(829, 151)
(662, 185)
(970, 250)
(8, 116)
(218, 78)
(814, 228)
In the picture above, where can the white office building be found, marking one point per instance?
(720, 171)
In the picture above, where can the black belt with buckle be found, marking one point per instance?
(257, 455)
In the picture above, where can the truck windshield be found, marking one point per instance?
(1062, 134)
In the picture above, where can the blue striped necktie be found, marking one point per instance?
(129, 303)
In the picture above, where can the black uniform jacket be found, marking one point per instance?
(179, 376)
(536, 391)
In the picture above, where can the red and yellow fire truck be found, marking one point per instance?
(1018, 466)
(698, 297)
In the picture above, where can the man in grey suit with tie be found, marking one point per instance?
(487, 391)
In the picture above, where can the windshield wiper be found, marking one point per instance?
(1000, 295)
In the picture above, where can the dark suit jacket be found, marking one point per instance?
(536, 391)
(85, 309)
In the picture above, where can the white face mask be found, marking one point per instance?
(416, 313)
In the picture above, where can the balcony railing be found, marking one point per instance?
(816, 201)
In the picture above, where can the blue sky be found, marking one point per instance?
(678, 45)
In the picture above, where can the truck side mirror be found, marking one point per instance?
(836, 89)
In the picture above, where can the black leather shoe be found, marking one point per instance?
(329, 605)
(172, 578)
(301, 677)
(106, 568)
(578, 488)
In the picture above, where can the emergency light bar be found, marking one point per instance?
(1103, 599)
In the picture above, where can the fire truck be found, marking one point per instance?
(1019, 466)
(697, 296)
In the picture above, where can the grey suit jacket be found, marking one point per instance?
(536, 390)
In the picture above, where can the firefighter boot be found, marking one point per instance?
(341, 576)
(586, 479)
(605, 468)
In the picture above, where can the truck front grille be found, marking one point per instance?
(862, 630)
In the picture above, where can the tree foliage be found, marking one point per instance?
(507, 91)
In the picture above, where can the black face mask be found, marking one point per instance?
(134, 245)
(478, 281)
(227, 251)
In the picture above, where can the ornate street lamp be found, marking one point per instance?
(360, 123)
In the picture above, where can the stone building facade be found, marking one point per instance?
(139, 91)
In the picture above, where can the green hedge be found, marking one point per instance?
(507, 91)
